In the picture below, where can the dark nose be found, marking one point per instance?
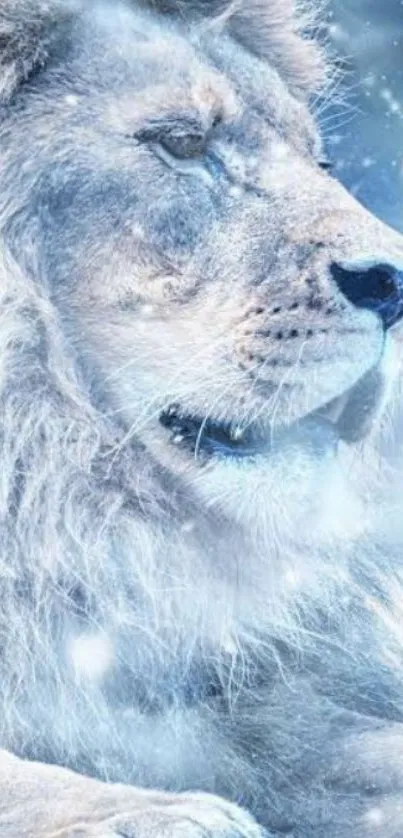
(378, 288)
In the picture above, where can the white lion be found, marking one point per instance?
(200, 555)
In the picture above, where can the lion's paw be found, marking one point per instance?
(180, 816)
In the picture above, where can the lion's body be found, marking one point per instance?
(226, 628)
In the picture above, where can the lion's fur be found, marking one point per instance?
(275, 681)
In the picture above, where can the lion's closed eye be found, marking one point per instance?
(182, 142)
(184, 139)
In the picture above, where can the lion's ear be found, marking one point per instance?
(27, 31)
(275, 30)
(281, 31)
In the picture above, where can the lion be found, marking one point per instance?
(201, 573)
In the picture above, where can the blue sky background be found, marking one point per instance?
(365, 135)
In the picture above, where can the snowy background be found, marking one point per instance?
(365, 134)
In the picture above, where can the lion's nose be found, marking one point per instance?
(378, 288)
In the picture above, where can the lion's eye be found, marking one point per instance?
(184, 146)
(181, 142)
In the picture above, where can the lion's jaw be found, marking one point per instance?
(260, 474)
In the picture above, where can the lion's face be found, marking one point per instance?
(223, 290)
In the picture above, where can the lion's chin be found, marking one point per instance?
(360, 408)
(355, 413)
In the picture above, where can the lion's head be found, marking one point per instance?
(165, 188)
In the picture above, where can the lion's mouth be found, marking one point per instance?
(206, 437)
(348, 417)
